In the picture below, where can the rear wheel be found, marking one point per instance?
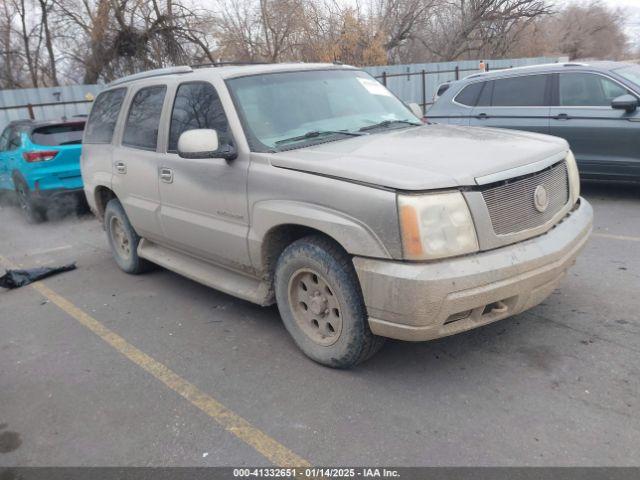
(32, 212)
(123, 239)
(321, 304)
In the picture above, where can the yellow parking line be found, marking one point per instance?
(270, 448)
(617, 237)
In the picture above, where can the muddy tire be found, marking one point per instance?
(321, 305)
(123, 239)
(32, 212)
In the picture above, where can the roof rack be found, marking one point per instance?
(152, 73)
(530, 67)
(226, 64)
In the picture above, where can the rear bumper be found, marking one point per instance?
(45, 197)
(53, 178)
(422, 301)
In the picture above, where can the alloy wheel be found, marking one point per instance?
(315, 307)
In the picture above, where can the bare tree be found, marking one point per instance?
(46, 42)
(476, 28)
(589, 30)
(9, 51)
(266, 30)
(400, 22)
(45, 9)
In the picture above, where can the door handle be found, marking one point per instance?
(561, 116)
(482, 116)
(166, 175)
(121, 167)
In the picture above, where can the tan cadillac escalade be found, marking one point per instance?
(314, 187)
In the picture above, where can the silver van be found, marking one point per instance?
(314, 187)
(594, 106)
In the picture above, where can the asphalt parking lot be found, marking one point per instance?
(101, 368)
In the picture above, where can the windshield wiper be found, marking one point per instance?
(318, 133)
(387, 124)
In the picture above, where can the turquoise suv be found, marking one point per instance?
(40, 162)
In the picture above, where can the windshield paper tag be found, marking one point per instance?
(374, 87)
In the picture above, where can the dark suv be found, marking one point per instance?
(593, 106)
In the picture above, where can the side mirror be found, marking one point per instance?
(629, 103)
(416, 110)
(203, 143)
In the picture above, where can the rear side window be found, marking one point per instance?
(469, 94)
(4, 139)
(63, 134)
(197, 105)
(442, 88)
(529, 91)
(588, 90)
(102, 121)
(141, 129)
(14, 140)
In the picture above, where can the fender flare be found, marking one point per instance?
(353, 235)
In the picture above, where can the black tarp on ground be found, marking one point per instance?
(20, 278)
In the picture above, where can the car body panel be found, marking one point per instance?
(422, 158)
(362, 219)
(606, 142)
(203, 208)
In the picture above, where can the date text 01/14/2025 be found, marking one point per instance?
(315, 472)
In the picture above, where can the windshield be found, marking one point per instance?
(631, 73)
(282, 111)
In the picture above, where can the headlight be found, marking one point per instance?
(574, 177)
(435, 226)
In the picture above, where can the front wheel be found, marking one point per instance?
(123, 239)
(321, 304)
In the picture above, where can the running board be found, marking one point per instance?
(222, 279)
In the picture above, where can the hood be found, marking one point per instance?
(423, 158)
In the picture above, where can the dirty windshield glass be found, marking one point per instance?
(295, 109)
(631, 73)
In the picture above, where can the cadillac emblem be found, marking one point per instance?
(540, 198)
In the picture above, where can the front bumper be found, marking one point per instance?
(422, 301)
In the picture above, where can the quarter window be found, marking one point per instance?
(143, 121)
(197, 105)
(588, 90)
(4, 139)
(14, 140)
(442, 88)
(527, 91)
(103, 117)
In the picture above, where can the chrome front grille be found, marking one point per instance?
(512, 205)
